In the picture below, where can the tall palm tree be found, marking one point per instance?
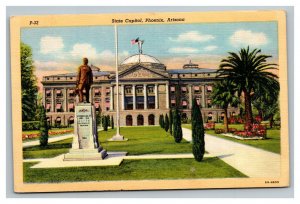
(248, 70)
(225, 93)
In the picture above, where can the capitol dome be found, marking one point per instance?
(142, 58)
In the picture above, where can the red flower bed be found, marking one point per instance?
(209, 126)
(51, 133)
(252, 130)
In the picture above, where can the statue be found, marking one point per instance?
(84, 80)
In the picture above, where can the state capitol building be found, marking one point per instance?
(147, 89)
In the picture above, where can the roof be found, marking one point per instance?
(74, 74)
(191, 71)
(140, 58)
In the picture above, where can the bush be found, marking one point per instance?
(167, 125)
(112, 124)
(209, 126)
(171, 122)
(43, 127)
(197, 132)
(219, 131)
(177, 130)
(30, 125)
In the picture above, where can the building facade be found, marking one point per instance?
(146, 90)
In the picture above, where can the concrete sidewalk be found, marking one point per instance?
(113, 159)
(254, 162)
(50, 140)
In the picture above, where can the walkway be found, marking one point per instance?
(249, 160)
(113, 159)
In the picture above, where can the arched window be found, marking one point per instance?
(128, 120)
(140, 120)
(151, 119)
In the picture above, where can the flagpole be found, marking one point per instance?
(117, 137)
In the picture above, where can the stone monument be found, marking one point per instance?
(85, 144)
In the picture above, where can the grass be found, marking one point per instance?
(272, 143)
(135, 170)
(142, 140)
(52, 150)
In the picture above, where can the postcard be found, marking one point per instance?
(149, 101)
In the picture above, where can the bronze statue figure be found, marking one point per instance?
(84, 80)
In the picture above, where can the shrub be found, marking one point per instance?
(171, 122)
(209, 126)
(177, 131)
(167, 125)
(112, 124)
(43, 127)
(219, 131)
(30, 125)
(197, 132)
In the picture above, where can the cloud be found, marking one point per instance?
(51, 44)
(248, 37)
(210, 48)
(83, 50)
(193, 36)
(54, 65)
(183, 50)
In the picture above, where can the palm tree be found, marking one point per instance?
(249, 70)
(224, 93)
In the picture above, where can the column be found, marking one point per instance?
(156, 96)
(133, 97)
(122, 98)
(44, 96)
(65, 100)
(190, 96)
(167, 95)
(52, 100)
(203, 96)
(111, 100)
(145, 97)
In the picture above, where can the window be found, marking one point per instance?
(183, 89)
(71, 92)
(59, 93)
(209, 103)
(139, 89)
(184, 104)
(150, 89)
(48, 107)
(48, 92)
(172, 89)
(59, 107)
(97, 92)
(196, 89)
(128, 89)
(209, 89)
(71, 107)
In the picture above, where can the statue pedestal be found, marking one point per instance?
(85, 144)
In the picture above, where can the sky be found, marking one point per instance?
(61, 49)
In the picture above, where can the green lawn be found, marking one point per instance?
(142, 140)
(135, 170)
(272, 143)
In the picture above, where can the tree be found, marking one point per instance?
(171, 122)
(224, 93)
(162, 122)
(28, 84)
(177, 131)
(248, 70)
(197, 132)
(43, 127)
(112, 122)
(167, 125)
(266, 102)
(108, 120)
(105, 123)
